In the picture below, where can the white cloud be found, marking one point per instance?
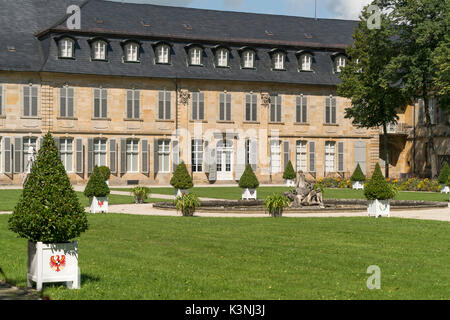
(345, 9)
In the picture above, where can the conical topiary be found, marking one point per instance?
(445, 173)
(378, 187)
(248, 179)
(181, 178)
(48, 210)
(358, 174)
(96, 186)
(289, 172)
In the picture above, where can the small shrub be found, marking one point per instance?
(181, 178)
(96, 186)
(445, 173)
(378, 187)
(289, 172)
(140, 194)
(358, 175)
(275, 204)
(248, 179)
(105, 172)
(187, 204)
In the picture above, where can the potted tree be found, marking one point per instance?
(443, 177)
(140, 194)
(248, 183)
(358, 178)
(181, 180)
(289, 175)
(105, 172)
(275, 204)
(379, 192)
(187, 203)
(49, 215)
(97, 191)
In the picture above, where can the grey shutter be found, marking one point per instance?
(201, 106)
(241, 150)
(286, 153)
(7, 155)
(145, 158)
(79, 155)
(312, 156)
(155, 156)
(278, 108)
(96, 103)
(90, 155)
(129, 104)
(176, 154)
(272, 108)
(168, 105)
(213, 166)
(327, 110)
(207, 157)
(34, 101)
(304, 109)
(161, 105)
(228, 107)
(62, 102)
(298, 110)
(248, 106)
(253, 154)
(360, 155)
(104, 103)
(222, 106)
(333, 110)
(123, 156)
(255, 107)
(18, 155)
(340, 156)
(195, 105)
(70, 105)
(26, 101)
(137, 104)
(113, 156)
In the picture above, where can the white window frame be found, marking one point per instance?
(66, 48)
(340, 63)
(134, 101)
(25, 145)
(99, 151)
(249, 59)
(102, 92)
(132, 155)
(132, 52)
(165, 104)
(226, 97)
(277, 106)
(162, 54)
(330, 156)
(65, 153)
(279, 60)
(197, 116)
(99, 50)
(31, 97)
(306, 62)
(163, 152)
(66, 101)
(197, 151)
(253, 101)
(302, 155)
(275, 154)
(195, 56)
(222, 58)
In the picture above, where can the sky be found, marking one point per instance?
(332, 9)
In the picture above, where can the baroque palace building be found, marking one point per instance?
(139, 88)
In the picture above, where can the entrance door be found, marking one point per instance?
(225, 160)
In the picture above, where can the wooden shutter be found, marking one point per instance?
(228, 107)
(221, 106)
(26, 101)
(286, 153)
(201, 106)
(195, 105)
(70, 103)
(312, 156)
(360, 155)
(145, 157)
(129, 104)
(62, 102)
(137, 100)
(333, 110)
(34, 101)
(113, 156)
(327, 110)
(168, 105)
(340, 156)
(123, 156)
(298, 110)
(272, 108)
(18, 154)
(213, 166)
(7, 155)
(155, 156)
(90, 155)
(176, 154)
(79, 168)
(304, 109)
(207, 157)
(253, 156)
(104, 103)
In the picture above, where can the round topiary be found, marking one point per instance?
(378, 188)
(48, 210)
(105, 172)
(181, 178)
(289, 172)
(96, 186)
(248, 179)
(445, 173)
(358, 174)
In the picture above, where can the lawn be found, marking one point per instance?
(9, 198)
(235, 193)
(141, 257)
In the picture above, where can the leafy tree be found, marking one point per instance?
(289, 172)
(378, 187)
(367, 81)
(48, 209)
(181, 178)
(96, 186)
(105, 172)
(358, 174)
(445, 173)
(248, 179)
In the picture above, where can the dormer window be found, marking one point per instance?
(162, 54)
(195, 56)
(248, 57)
(278, 60)
(222, 56)
(66, 48)
(131, 52)
(305, 62)
(340, 62)
(99, 50)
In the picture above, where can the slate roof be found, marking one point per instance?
(31, 26)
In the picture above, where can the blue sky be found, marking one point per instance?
(336, 9)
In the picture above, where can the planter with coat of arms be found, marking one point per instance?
(99, 204)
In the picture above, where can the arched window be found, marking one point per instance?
(131, 52)
(99, 50)
(66, 48)
(163, 54)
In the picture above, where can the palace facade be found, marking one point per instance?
(139, 88)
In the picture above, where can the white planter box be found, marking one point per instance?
(54, 262)
(378, 208)
(290, 183)
(99, 204)
(357, 185)
(248, 194)
(180, 192)
(445, 189)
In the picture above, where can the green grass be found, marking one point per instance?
(235, 193)
(141, 257)
(9, 198)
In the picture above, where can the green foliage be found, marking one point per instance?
(105, 172)
(378, 187)
(289, 172)
(48, 209)
(96, 186)
(448, 181)
(358, 174)
(275, 204)
(181, 178)
(445, 173)
(140, 193)
(187, 204)
(248, 179)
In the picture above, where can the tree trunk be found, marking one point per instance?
(386, 150)
(431, 150)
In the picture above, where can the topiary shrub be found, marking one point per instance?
(358, 174)
(445, 173)
(289, 172)
(105, 172)
(378, 187)
(48, 210)
(96, 186)
(181, 178)
(248, 179)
